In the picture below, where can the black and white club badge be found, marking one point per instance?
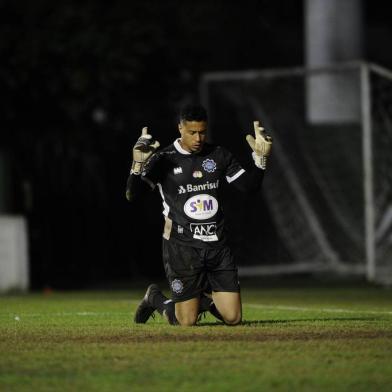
(209, 165)
(177, 286)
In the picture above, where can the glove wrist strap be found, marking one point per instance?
(137, 168)
(260, 161)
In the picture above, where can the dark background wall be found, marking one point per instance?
(79, 80)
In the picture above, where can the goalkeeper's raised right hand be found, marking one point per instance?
(261, 146)
(142, 151)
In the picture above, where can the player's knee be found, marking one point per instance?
(186, 319)
(232, 318)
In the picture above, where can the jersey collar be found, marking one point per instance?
(179, 148)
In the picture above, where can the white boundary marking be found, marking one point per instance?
(326, 310)
(249, 305)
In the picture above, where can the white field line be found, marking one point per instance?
(65, 314)
(61, 314)
(249, 305)
(326, 310)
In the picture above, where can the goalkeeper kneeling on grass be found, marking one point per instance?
(196, 256)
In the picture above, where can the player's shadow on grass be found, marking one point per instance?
(263, 322)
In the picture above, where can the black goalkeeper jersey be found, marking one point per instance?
(190, 186)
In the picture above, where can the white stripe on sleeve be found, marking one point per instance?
(232, 178)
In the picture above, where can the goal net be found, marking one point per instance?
(326, 203)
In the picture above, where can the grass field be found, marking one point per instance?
(297, 338)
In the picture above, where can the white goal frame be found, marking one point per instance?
(365, 70)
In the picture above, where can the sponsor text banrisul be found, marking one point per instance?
(200, 187)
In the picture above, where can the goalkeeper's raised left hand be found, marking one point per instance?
(261, 145)
(142, 151)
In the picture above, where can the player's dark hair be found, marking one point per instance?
(193, 112)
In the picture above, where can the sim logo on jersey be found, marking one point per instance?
(201, 207)
(209, 165)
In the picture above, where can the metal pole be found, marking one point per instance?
(333, 34)
(367, 154)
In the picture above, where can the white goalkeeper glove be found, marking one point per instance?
(142, 151)
(261, 146)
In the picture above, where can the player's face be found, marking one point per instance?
(193, 135)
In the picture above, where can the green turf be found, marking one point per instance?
(292, 339)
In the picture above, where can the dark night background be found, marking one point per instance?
(78, 82)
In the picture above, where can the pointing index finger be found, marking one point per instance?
(258, 129)
(144, 131)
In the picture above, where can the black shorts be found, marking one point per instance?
(191, 271)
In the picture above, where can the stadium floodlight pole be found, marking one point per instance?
(367, 155)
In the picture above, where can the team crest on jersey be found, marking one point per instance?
(209, 165)
(177, 170)
(177, 286)
(197, 174)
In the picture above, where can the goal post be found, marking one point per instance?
(327, 195)
(367, 152)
